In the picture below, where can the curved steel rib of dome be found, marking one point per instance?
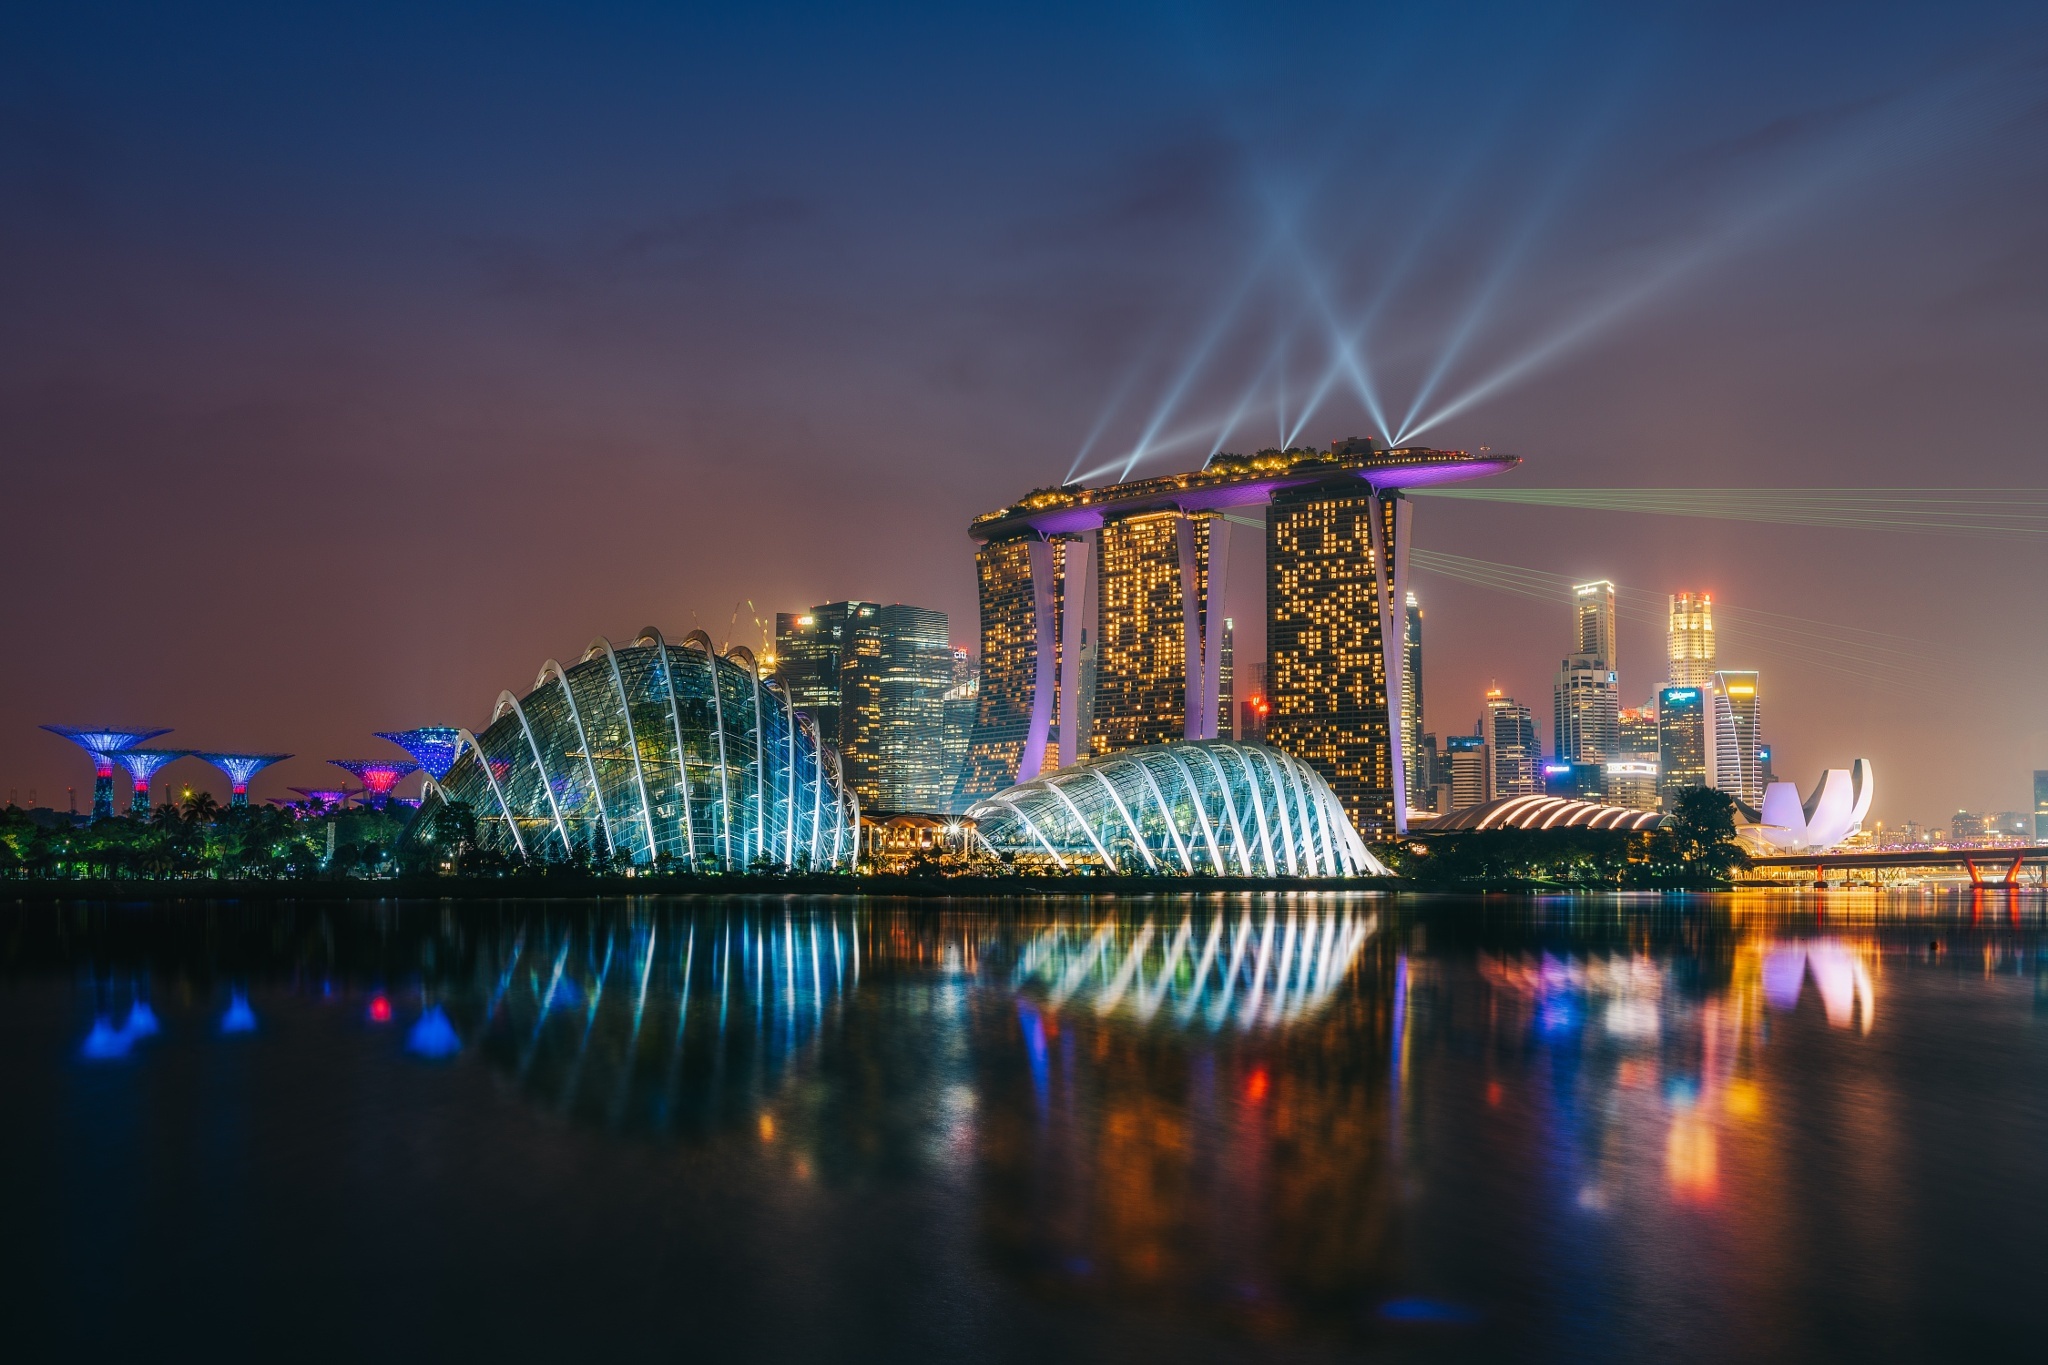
(1211, 806)
(655, 753)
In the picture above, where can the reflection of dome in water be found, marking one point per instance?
(678, 1025)
(637, 753)
(1247, 971)
(1204, 806)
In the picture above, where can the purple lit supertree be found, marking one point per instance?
(327, 798)
(435, 746)
(378, 776)
(103, 742)
(142, 765)
(240, 768)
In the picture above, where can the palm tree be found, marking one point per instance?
(201, 808)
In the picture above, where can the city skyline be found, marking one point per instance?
(353, 405)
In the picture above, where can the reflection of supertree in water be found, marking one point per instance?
(1213, 1140)
(103, 743)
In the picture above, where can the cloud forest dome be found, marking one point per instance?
(1211, 806)
(653, 753)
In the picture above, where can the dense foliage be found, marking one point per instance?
(1697, 849)
(199, 839)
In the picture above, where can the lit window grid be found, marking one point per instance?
(1141, 637)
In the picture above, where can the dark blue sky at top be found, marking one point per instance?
(352, 363)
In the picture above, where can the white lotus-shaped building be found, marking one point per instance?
(1833, 812)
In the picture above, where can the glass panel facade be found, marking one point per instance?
(681, 778)
(1211, 806)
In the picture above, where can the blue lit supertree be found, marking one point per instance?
(240, 768)
(435, 746)
(103, 742)
(142, 765)
(378, 777)
(326, 798)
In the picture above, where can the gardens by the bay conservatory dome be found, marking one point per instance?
(1211, 806)
(653, 753)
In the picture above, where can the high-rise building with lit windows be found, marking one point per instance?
(1023, 607)
(1682, 716)
(1691, 640)
(1226, 681)
(1593, 613)
(1325, 563)
(1637, 728)
(1469, 759)
(1419, 775)
(1588, 694)
(807, 646)
(1147, 564)
(895, 669)
(1509, 729)
(1735, 767)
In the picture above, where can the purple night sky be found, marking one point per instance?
(353, 364)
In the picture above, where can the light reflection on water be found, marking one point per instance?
(1583, 1128)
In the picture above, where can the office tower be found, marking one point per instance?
(1411, 702)
(1335, 592)
(1470, 761)
(1593, 615)
(895, 669)
(1022, 579)
(963, 699)
(807, 657)
(1636, 727)
(1226, 682)
(1154, 567)
(1510, 730)
(1735, 767)
(2040, 806)
(1434, 796)
(1681, 742)
(1631, 782)
(1691, 640)
(1588, 711)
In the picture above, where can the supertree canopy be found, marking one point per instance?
(435, 746)
(142, 765)
(379, 777)
(328, 798)
(103, 742)
(240, 768)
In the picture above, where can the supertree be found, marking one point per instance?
(142, 765)
(327, 798)
(435, 746)
(378, 776)
(240, 768)
(103, 742)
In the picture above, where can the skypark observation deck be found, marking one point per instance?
(1235, 481)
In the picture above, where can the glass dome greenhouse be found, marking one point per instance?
(1211, 806)
(655, 754)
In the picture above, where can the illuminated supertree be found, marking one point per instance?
(103, 742)
(142, 765)
(240, 768)
(379, 777)
(327, 798)
(435, 746)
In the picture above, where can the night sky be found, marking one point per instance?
(354, 363)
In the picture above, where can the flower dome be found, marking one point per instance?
(657, 753)
(1211, 806)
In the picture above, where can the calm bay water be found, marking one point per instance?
(1190, 1128)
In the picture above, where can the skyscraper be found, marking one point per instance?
(1510, 731)
(1593, 610)
(1637, 728)
(1149, 563)
(1411, 705)
(807, 647)
(1681, 741)
(1588, 693)
(1691, 640)
(1023, 599)
(895, 669)
(1470, 760)
(1333, 554)
(1735, 766)
(1226, 682)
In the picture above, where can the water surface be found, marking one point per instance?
(1193, 1128)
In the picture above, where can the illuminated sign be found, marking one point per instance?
(1681, 694)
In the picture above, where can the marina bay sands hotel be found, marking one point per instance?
(1337, 529)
